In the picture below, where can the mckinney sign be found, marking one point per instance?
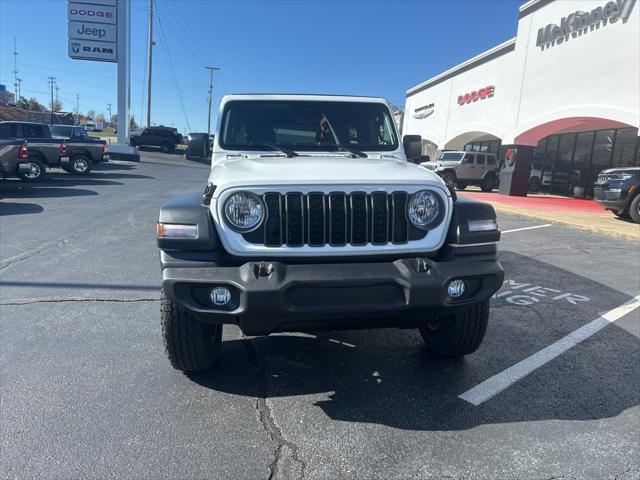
(578, 22)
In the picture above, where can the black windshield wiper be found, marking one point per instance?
(357, 153)
(286, 151)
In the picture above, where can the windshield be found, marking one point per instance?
(307, 125)
(450, 157)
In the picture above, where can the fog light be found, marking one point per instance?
(220, 295)
(456, 288)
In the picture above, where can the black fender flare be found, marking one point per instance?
(189, 210)
(466, 209)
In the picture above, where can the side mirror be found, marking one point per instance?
(412, 145)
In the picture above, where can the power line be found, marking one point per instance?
(173, 71)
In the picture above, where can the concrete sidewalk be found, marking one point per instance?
(574, 212)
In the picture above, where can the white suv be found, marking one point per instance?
(466, 168)
(313, 219)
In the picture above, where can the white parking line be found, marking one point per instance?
(526, 228)
(496, 384)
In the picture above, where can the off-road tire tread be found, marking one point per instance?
(459, 334)
(633, 209)
(190, 345)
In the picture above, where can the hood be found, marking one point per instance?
(622, 170)
(317, 170)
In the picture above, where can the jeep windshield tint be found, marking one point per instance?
(450, 157)
(307, 126)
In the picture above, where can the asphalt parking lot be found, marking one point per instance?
(87, 392)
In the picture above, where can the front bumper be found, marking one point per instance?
(611, 200)
(271, 296)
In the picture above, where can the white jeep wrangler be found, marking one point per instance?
(462, 168)
(312, 218)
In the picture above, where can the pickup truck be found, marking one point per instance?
(313, 218)
(77, 156)
(13, 158)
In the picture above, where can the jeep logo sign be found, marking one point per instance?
(580, 22)
(92, 31)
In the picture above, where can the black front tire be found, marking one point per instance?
(634, 209)
(459, 334)
(80, 165)
(166, 148)
(488, 183)
(37, 173)
(461, 185)
(190, 345)
(534, 185)
(449, 179)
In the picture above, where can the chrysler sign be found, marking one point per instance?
(424, 111)
(579, 22)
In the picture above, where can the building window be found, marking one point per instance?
(562, 176)
(625, 147)
(602, 147)
(581, 162)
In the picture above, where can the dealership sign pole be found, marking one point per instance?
(99, 30)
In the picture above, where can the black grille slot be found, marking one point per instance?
(336, 219)
(359, 218)
(273, 225)
(295, 219)
(316, 219)
(400, 227)
(379, 218)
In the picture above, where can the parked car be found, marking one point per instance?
(76, 156)
(164, 137)
(461, 168)
(618, 190)
(537, 179)
(313, 219)
(14, 159)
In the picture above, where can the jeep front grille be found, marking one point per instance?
(431, 166)
(337, 219)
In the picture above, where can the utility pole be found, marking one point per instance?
(15, 70)
(52, 81)
(149, 62)
(109, 108)
(210, 97)
(19, 89)
(77, 109)
(57, 103)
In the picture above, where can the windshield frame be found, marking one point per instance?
(460, 155)
(339, 146)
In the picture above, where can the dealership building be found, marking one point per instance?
(562, 98)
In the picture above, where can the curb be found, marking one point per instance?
(577, 225)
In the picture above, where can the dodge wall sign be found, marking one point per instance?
(423, 112)
(476, 95)
(84, 12)
(580, 22)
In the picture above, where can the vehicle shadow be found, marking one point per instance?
(20, 189)
(11, 208)
(386, 377)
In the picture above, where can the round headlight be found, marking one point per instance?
(423, 208)
(244, 211)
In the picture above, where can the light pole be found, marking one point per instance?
(77, 109)
(149, 62)
(211, 70)
(109, 108)
(52, 81)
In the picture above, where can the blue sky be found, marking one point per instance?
(360, 47)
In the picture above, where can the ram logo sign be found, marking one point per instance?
(87, 50)
(579, 22)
